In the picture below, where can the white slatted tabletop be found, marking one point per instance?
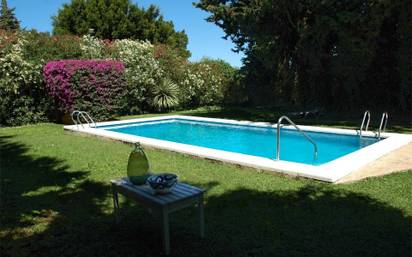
(179, 192)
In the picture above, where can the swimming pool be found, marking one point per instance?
(254, 144)
(247, 139)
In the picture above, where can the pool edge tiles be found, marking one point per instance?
(330, 171)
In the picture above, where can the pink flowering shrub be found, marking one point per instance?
(95, 86)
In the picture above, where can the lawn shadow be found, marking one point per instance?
(342, 120)
(237, 113)
(23, 178)
(311, 221)
(41, 199)
(50, 210)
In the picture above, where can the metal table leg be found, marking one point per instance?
(116, 205)
(201, 216)
(166, 232)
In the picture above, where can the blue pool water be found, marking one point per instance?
(251, 140)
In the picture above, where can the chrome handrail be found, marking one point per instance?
(74, 120)
(90, 118)
(298, 129)
(81, 114)
(382, 125)
(366, 114)
(76, 115)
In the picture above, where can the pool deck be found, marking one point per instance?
(396, 161)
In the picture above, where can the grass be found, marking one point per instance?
(398, 124)
(56, 201)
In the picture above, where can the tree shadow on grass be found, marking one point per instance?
(38, 193)
(267, 115)
(311, 221)
(352, 121)
(50, 210)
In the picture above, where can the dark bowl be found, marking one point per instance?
(162, 183)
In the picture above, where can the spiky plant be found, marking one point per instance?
(165, 95)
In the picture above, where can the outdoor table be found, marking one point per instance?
(181, 196)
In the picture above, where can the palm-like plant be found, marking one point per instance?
(165, 95)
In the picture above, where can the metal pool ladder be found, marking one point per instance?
(78, 115)
(367, 118)
(382, 125)
(298, 129)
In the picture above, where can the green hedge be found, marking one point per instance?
(157, 77)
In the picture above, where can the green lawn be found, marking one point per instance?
(56, 201)
(397, 123)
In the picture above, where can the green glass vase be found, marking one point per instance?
(138, 166)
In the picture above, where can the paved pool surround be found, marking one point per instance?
(332, 171)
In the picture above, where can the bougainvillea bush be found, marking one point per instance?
(95, 86)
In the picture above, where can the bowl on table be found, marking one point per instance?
(162, 183)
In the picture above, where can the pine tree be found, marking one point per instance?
(8, 20)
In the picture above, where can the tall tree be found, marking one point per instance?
(8, 20)
(118, 19)
(336, 54)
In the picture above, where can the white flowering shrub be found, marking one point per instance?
(20, 83)
(92, 47)
(201, 86)
(16, 72)
(143, 71)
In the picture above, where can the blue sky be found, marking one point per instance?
(205, 39)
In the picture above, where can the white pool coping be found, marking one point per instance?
(329, 172)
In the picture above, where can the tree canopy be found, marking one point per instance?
(336, 54)
(118, 19)
(8, 20)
